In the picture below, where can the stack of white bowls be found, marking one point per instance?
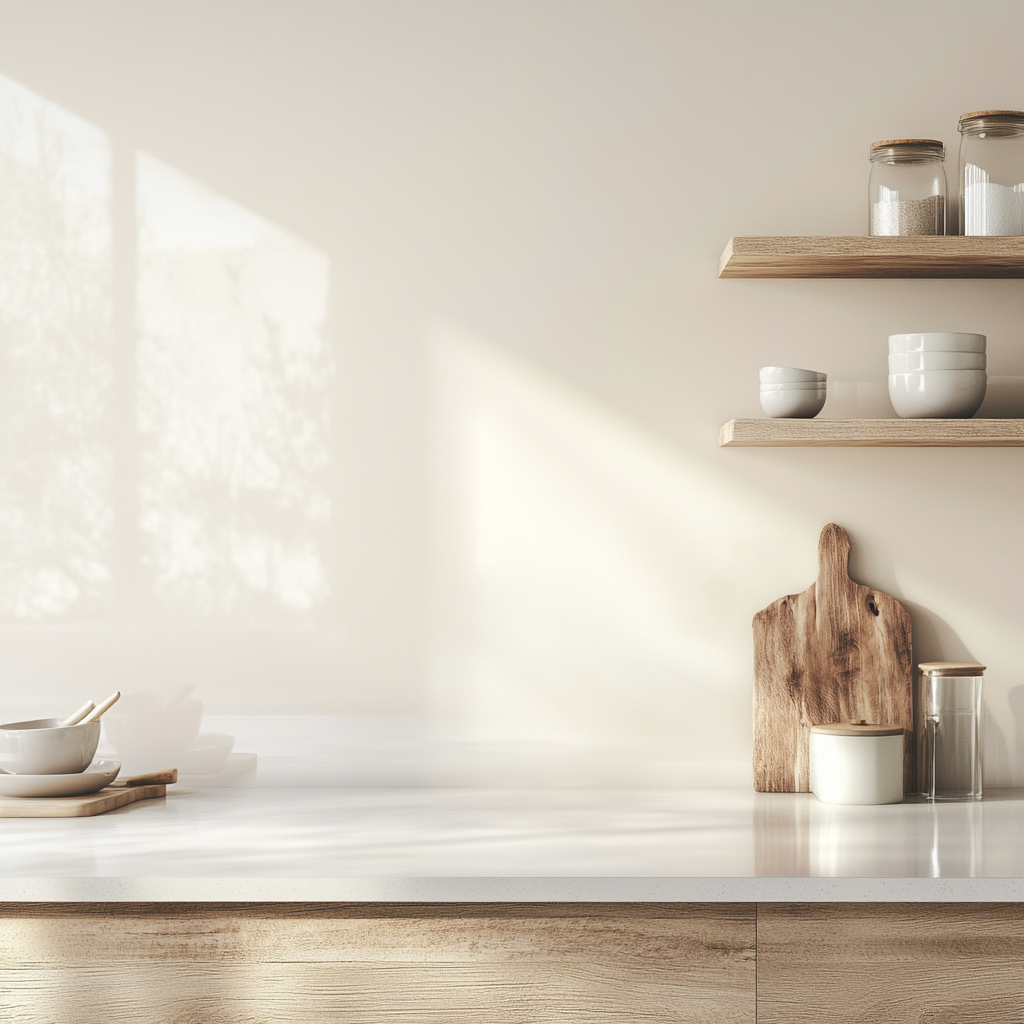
(940, 375)
(792, 392)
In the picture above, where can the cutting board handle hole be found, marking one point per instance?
(872, 605)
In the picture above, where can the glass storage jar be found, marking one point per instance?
(907, 188)
(992, 173)
(949, 722)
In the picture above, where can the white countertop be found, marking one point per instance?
(517, 845)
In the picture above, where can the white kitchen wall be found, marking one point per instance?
(362, 364)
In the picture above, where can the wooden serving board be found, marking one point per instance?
(118, 794)
(838, 652)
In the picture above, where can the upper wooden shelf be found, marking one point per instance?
(815, 433)
(854, 256)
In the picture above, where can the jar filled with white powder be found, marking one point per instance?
(992, 173)
(907, 188)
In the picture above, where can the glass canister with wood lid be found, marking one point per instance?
(949, 730)
(907, 188)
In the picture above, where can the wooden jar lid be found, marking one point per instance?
(951, 668)
(992, 113)
(856, 729)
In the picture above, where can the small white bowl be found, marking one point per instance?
(912, 362)
(45, 747)
(789, 375)
(806, 385)
(937, 341)
(937, 394)
(792, 404)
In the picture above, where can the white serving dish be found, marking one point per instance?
(789, 375)
(937, 341)
(43, 746)
(100, 773)
(207, 755)
(912, 362)
(792, 404)
(808, 385)
(937, 394)
(140, 726)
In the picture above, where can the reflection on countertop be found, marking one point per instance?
(556, 844)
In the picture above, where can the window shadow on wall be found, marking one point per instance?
(164, 389)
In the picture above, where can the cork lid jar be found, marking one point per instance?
(907, 187)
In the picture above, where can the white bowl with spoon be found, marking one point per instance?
(49, 746)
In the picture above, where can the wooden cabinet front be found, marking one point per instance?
(832, 963)
(890, 963)
(316, 963)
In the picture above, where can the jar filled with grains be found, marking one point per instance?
(907, 188)
(992, 173)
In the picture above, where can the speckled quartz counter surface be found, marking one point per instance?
(525, 845)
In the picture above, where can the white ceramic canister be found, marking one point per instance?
(857, 763)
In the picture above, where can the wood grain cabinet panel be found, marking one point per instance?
(890, 963)
(317, 963)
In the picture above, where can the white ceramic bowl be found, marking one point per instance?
(911, 362)
(937, 341)
(138, 727)
(805, 385)
(44, 747)
(937, 394)
(793, 404)
(789, 375)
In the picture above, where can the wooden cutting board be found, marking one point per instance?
(838, 652)
(118, 794)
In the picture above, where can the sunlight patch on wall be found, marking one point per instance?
(55, 351)
(234, 395)
(593, 585)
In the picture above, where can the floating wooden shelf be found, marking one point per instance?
(852, 256)
(786, 433)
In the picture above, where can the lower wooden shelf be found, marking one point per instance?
(815, 433)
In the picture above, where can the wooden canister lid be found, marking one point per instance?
(992, 113)
(951, 668)
(857, 729)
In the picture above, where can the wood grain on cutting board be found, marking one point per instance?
(838, 652)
